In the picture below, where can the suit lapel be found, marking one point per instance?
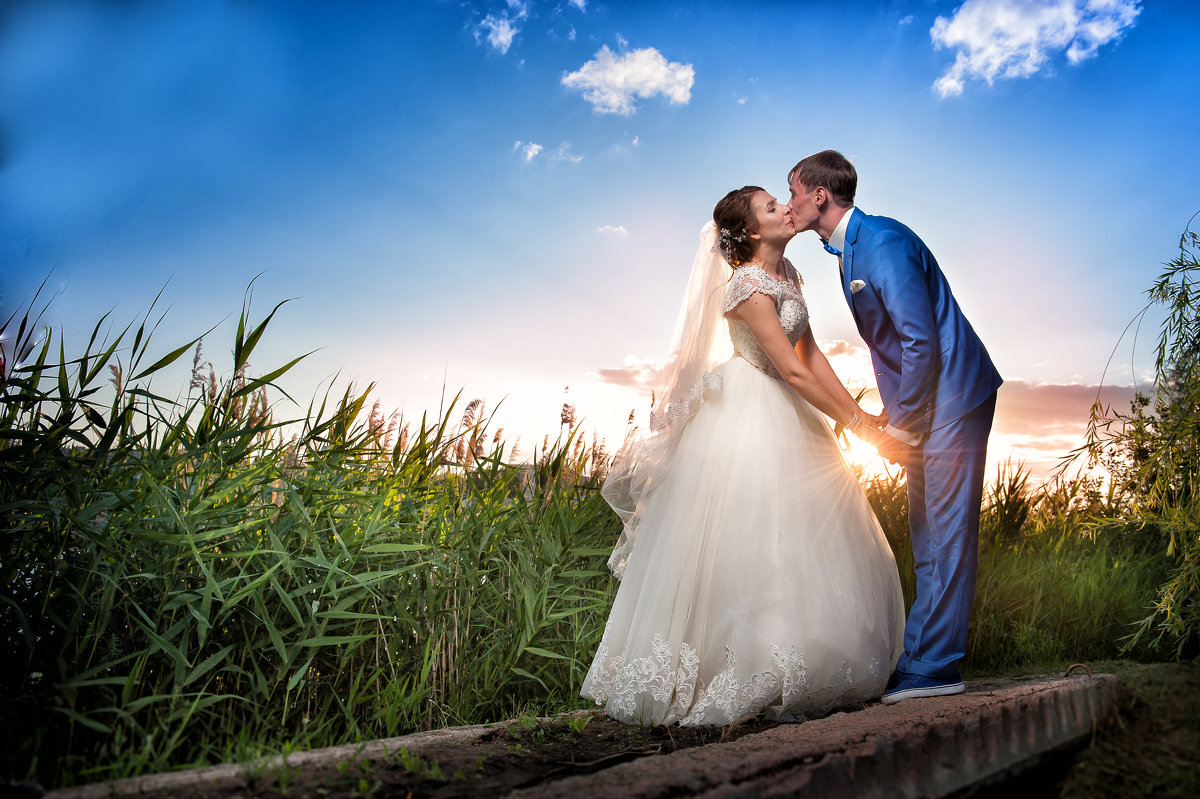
(848, 253)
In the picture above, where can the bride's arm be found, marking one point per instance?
(816, 362)
(758, 312)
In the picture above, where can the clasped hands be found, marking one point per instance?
(872, 431)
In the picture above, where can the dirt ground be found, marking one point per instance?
(511, 756)
(1152, 747)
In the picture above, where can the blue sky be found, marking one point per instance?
(504, 195)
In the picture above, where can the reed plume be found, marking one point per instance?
(375, 421)
(199, 379)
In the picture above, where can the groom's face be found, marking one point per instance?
(803, 205)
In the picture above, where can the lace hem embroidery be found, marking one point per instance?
(638, 690)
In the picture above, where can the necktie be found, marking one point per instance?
(830, 250)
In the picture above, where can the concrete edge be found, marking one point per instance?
(236, 775)
(917, 748)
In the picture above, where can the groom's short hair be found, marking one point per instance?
(830, 169)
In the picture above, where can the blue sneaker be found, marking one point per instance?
(913, 686)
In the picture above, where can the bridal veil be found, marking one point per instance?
(700, 342)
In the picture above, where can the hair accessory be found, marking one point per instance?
(725, 240)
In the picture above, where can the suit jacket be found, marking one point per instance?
(930, 365)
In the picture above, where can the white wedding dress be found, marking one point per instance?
(759, 580)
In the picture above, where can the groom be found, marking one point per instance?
(938, 387)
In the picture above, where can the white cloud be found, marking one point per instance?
(907, 20)
(571, 35)
(635, 141)
(839, 346)
(563, 153)
(611, 82)
(580, 4)
(528, 149)
(852, 363)
(498, 30)
(618, 230)
(637, 372)
(1014, 38)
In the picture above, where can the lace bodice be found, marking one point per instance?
(789, 304)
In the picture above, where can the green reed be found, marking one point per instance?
(204, 578)
(1053, 582)
(194, 580)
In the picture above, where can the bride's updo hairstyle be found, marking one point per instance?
(735, 221)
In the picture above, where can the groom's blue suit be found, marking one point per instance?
(935, 379)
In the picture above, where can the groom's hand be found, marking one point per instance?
(897, 451)
(893, 450)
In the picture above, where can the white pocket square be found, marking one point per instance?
(857, 286)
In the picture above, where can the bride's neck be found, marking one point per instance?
(768, 257)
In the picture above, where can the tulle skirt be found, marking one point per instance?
(760, 580)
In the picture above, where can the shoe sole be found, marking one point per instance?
(916, 693)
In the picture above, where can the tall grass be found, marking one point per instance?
(186, 583)
(203, 579)
(1054, 583)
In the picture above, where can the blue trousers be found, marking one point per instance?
(945, 491)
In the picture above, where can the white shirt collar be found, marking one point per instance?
(837, 239)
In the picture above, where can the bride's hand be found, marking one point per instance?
(878, 422)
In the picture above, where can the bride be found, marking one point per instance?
(754, 576)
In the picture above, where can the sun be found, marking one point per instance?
(864, 457)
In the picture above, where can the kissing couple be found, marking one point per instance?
(755, 578)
